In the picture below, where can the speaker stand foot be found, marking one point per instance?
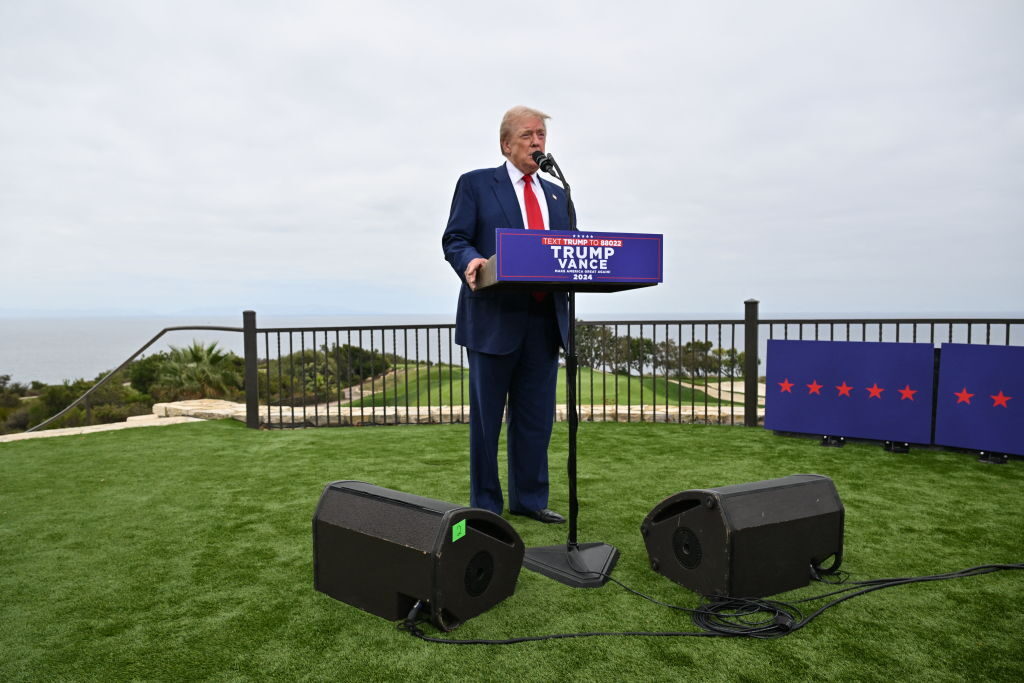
(586, 565)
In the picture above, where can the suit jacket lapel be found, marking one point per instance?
(506, 196)
(557, 207)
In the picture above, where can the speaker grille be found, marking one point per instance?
(686, 546)
(393, 520)
(479, 572)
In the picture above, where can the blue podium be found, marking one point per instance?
(565, 260)
(573, 261)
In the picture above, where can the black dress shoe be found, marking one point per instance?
(546, 516)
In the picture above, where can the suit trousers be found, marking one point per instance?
(527, 378)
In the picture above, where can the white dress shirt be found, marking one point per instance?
(516, 176)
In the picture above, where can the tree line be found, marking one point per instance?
(315, 376)
(598, 347)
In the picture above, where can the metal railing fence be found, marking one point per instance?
(630, 370)
(363, 375)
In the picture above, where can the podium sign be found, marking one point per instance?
(578, 260)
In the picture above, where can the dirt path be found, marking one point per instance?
(727, 390)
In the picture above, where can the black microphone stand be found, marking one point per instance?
(586, 565)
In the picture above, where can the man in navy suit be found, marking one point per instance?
(512, 337)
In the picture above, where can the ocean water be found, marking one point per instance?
(52, 350)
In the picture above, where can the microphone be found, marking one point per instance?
(543, 160)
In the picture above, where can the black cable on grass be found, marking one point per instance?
(725, 617)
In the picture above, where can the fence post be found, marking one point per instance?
(252, 389)
(750, 348)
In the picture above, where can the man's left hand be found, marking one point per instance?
(472, 269)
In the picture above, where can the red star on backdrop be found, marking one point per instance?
(1000, 399)
(963, 396)
(814, 387)
(787, 386)
(844, 389)
(906, 393)
(875, 391)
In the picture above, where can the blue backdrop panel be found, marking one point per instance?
(868, 390)
(981, 398)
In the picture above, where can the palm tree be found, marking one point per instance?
(198, 371)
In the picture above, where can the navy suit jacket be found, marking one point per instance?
(491, 320)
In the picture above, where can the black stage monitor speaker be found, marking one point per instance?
(747, 540)
(382, 551)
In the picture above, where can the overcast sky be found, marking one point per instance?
(300, 157)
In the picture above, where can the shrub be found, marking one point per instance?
(144, 372)
(17, 420)
(107, 413)
(112, 402)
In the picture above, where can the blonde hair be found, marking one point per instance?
(510, 118)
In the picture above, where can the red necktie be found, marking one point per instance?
(534, 218)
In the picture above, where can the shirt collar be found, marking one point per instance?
(515, 175)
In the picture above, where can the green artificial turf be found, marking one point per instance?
(184, 553)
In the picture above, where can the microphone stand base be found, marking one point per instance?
(586, 565)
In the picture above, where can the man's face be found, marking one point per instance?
(528, 136)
